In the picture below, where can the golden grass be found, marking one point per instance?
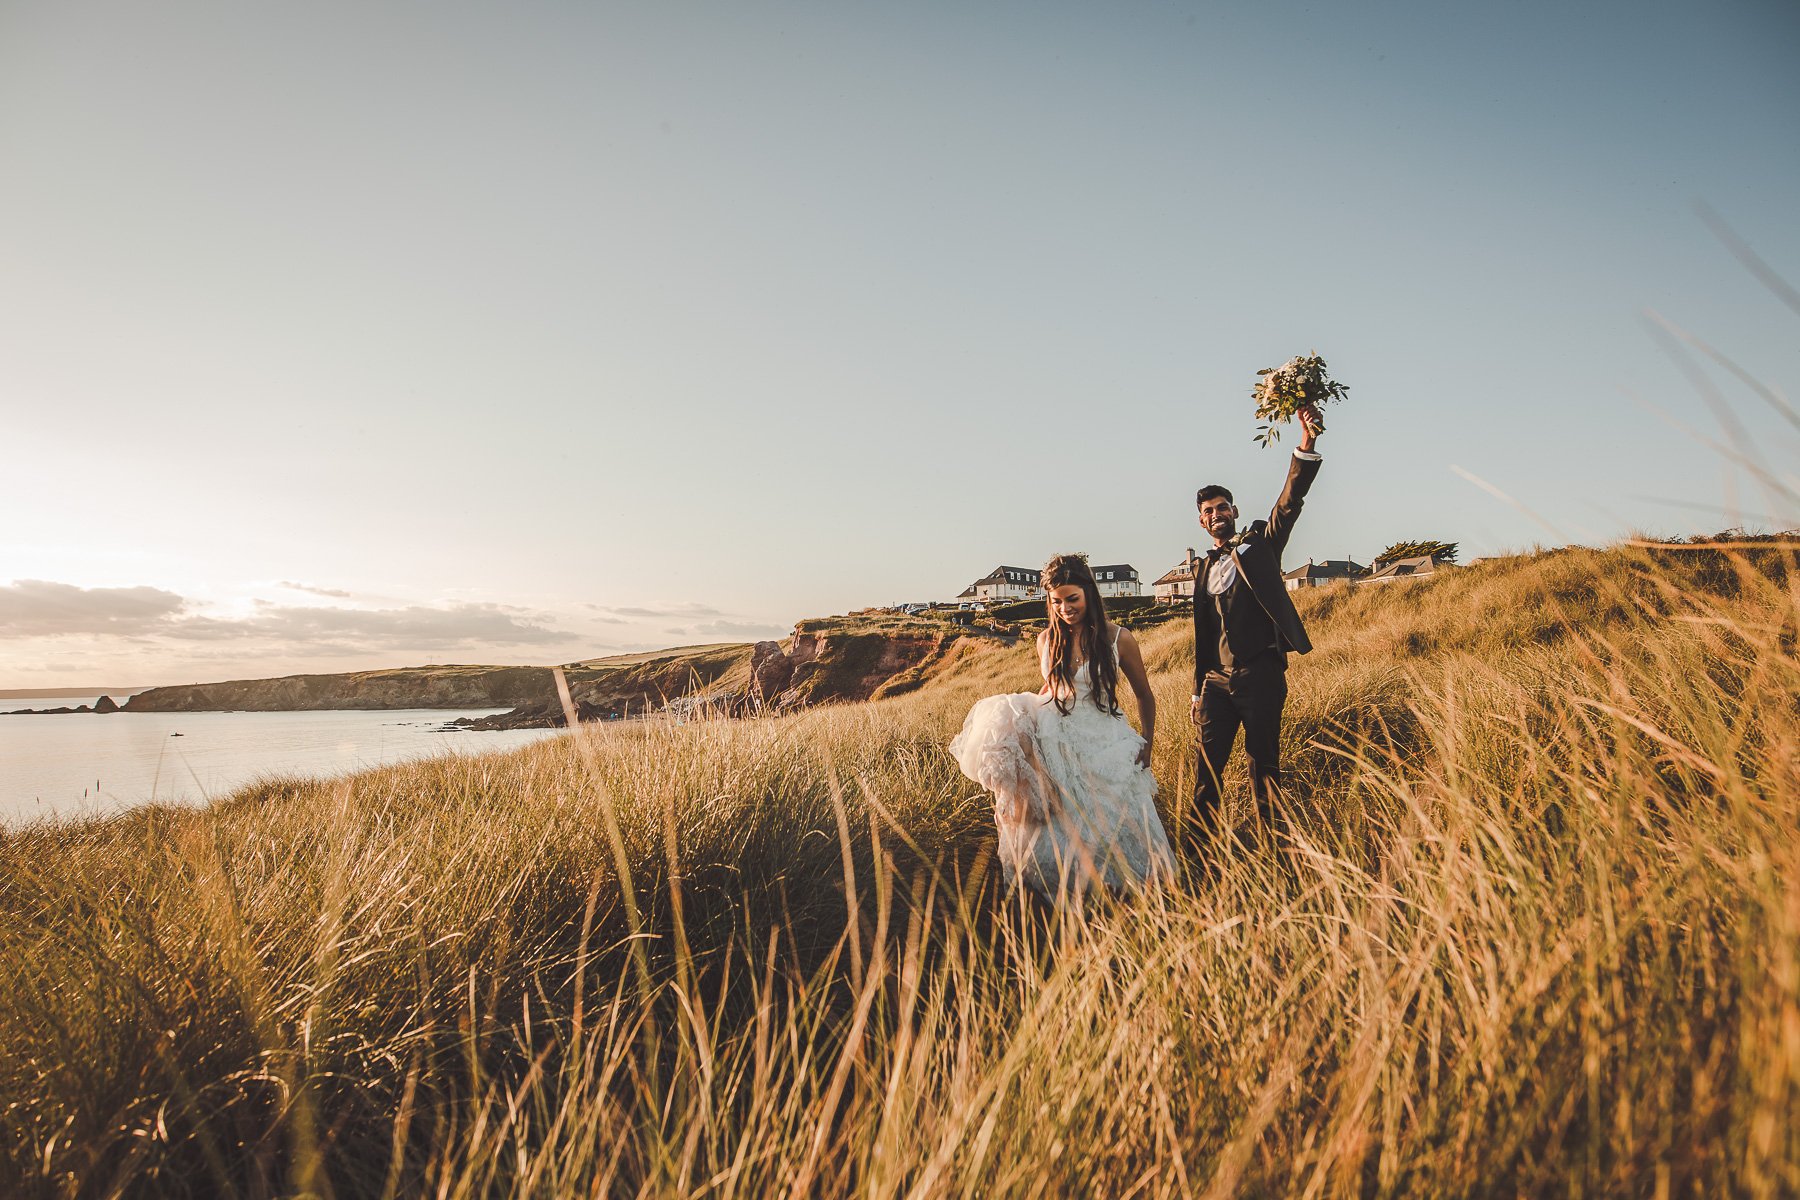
(1538, 933)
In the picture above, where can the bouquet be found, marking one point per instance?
(1281, 392)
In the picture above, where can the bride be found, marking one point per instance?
(1073, 792)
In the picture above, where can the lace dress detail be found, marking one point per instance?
(1071, 804)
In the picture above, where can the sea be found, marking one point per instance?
(87, 764)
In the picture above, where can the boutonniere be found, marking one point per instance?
(1239, 539)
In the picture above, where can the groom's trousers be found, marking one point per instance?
(1249, 697)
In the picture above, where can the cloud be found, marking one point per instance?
(38, 608)
(333, 593)
(680, 611)
(352, 629)
(744, 630)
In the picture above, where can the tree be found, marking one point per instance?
(1439, 551)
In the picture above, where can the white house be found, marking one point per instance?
(1004, 583)
(1177, 583)
(1326, 570)
(1118, 579)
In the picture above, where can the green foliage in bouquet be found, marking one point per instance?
(1282, 391)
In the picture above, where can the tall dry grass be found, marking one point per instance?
(1537, 933)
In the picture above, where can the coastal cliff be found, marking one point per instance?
(850, 659)
(604, 688)
(404, 687)
(631, 685)
(825, 660)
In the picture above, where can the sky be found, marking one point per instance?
(337, 336)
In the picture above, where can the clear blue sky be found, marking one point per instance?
(339, 335)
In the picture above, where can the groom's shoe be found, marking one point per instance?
(1205, 852)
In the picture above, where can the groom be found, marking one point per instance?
(1244, 626)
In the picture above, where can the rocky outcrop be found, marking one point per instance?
(777, 674)
(106, 704)
(850, 659)
(635, 686)
(771, 669)
(532, 716)
(854, 666)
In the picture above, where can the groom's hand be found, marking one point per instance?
(1194, 713)
(1310, 427)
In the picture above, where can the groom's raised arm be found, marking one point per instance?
(1293, 497)
(1301, 469)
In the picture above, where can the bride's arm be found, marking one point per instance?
(1043, 639)
(1131, 662)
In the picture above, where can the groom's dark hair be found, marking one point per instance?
(1212, 491)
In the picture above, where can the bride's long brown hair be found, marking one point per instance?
(1095, 635)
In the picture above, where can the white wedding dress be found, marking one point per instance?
(1072, 804)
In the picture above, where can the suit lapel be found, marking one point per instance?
(1252, 539)
(1235, 549)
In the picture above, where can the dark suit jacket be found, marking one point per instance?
(1259, 566)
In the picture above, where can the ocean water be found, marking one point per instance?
(84, 764)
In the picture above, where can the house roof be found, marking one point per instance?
(1004, 574)
(1025, 577)
(1031, 577)
(1181, 572)
(1327, 568)
(1424, 564)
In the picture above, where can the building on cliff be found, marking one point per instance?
(1118, 579)
(1004, 583)
(1326, 570)
(1407, 568)
(1177, 583)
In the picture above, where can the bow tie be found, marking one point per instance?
(1234, 542)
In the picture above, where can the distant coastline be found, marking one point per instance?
(854, 657)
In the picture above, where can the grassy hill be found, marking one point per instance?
(1538, 933)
